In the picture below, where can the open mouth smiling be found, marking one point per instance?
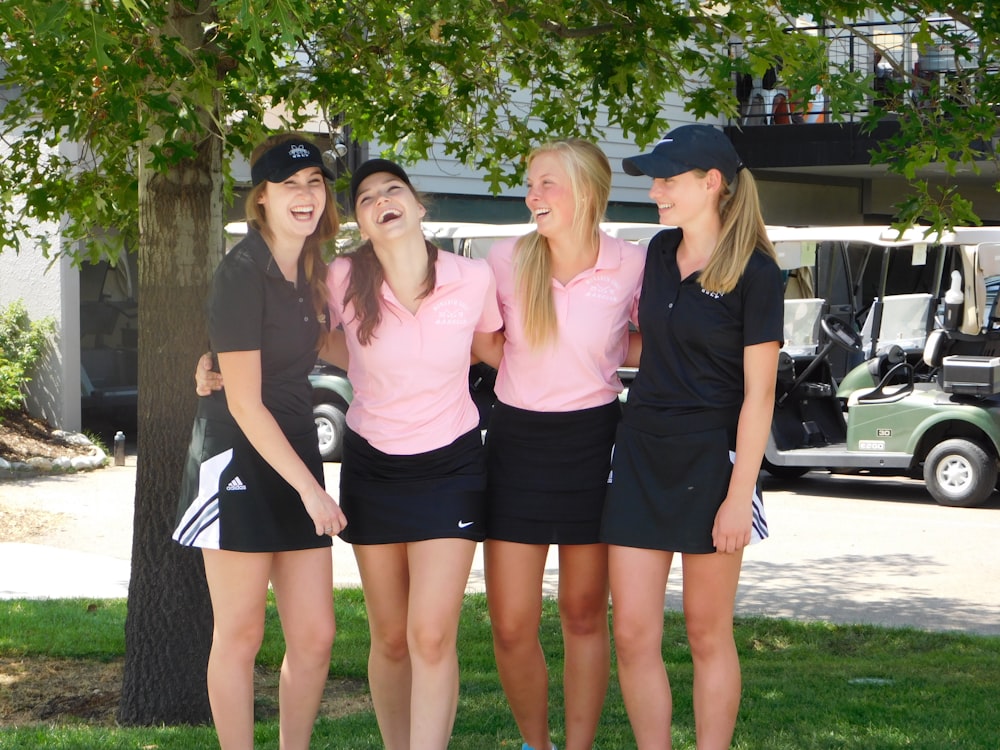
(390, 214)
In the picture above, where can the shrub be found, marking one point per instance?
(21, 344)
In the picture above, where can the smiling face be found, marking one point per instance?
(293, 207)
(550, 195)
(386, 206)
(683, 199)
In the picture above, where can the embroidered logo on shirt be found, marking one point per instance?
(603, 288)
(451, 312)
(236, 485)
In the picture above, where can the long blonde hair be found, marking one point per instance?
(743, 231)
(590, 183)
(313, 265)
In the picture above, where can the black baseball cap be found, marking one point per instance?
(374, 166)
(685, 148)
(280, 162)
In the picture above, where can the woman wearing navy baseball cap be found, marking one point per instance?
(692, 437)
(252, 495)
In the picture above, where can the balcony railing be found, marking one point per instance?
(900, 70)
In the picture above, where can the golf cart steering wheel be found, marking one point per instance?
(839, 333)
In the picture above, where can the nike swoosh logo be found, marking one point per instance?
(465, 524)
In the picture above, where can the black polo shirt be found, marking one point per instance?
(693, 340)
(252, 307)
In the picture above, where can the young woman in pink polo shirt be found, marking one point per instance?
(413, 472)
(567, 293)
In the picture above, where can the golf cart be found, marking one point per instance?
(920, 389)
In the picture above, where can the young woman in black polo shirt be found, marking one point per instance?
(689, 448)
(252, 497)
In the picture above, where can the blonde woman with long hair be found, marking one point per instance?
(567, 292)
(692, 437)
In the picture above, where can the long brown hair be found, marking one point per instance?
(590, 182)
(313, 265)
(364, 285)
(743, 231)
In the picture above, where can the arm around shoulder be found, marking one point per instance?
(488, 347)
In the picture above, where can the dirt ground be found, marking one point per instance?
(22, 437)
(39, 690)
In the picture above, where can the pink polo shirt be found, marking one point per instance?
(578, 370)
(411, 383)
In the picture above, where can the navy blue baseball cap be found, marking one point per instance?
(374, 166)
(685, 148)
(280, 162)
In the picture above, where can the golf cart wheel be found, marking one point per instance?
(784, 472)
(959, 473)
(331, 423)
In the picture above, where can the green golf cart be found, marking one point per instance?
(877, 375)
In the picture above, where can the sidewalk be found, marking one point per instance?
(85, 548)
(836, 553)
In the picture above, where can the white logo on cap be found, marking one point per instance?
(298, 151)
(665, 140)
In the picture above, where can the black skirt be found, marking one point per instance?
(232, 499)
(548, 473)
(390, 499)
(665, 490)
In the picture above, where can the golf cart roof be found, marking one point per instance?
(795, 246)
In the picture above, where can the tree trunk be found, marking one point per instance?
(168, 629)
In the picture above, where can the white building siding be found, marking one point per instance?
(442, 174)
(48, 289)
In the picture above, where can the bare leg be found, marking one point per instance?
(439, 574)
(583, 612)
(237, 582)
(514, 594)
(638, 585)
(710, 583)
(303, 588)
(385, 579)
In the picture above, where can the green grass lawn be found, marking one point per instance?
(805, 685)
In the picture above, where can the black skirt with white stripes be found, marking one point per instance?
(232, 499)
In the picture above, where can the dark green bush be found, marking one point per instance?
(22, 342)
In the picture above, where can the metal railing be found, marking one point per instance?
(886, 50)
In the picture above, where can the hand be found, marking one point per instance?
(324, 511)
(205, 380)
(731, 531)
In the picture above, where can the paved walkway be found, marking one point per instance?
(86, 550)
(896, 560)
